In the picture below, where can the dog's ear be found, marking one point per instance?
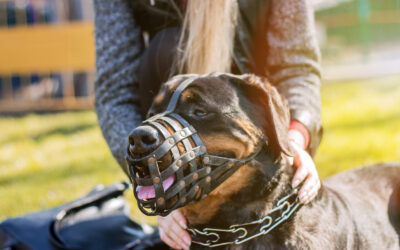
(277, 116)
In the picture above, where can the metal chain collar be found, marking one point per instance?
(281, 212)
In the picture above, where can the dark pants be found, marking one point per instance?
(156, 64)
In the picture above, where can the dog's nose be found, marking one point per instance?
(143, 140)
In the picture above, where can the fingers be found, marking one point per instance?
(167, 240)
(173, 230)
(309, 189)
(179, 218)
(179, 235)
(307, 171)
(181, 221)
(301, 173)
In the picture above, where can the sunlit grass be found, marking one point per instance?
(361, 124)
(46, 160)
(51, 159)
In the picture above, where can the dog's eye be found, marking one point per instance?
(200, 112)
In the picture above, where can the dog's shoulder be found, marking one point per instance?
(390, 172)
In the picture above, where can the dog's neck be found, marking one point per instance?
(267, 183)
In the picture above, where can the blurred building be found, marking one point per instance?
(40, 45)
(47, 48)
(359, 38)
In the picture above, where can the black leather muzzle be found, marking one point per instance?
(196, 172)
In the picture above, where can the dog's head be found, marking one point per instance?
(232, 115)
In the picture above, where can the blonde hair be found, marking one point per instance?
(207, 38)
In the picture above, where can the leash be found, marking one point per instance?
(240, 233)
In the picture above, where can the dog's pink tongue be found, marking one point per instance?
(148, 192)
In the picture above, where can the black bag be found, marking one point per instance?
(99, 220)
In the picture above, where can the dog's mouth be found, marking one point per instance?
(146, 193)
(162, 184)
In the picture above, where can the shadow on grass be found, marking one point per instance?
(58, 173)
(64, 131)
(60, 130)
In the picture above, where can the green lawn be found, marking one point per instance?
(46, 160)
(361, 124)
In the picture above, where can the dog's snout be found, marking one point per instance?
(143, 140)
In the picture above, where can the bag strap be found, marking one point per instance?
(94, 198)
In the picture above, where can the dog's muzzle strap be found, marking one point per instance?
(170, 145)
(196, 172)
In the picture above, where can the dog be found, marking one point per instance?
(254, 207)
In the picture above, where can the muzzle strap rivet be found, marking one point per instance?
(171, 141)
(208, 178)
(195, 176)
(156, 180)
(208, 170)
(196, 188)
(179, 163)
(160, 201)
(183, 133)
(151, 160)
(203, 196)
(191, 154)
(206, 160)
(182, 183)
(203, 149)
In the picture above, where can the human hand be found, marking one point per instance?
(172, 230)
(305, 170)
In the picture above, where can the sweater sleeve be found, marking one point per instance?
(119, 45)
(293, 62)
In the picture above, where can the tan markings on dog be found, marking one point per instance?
(167, 159)
(217, 143)
(172, 85)
(179, 145)
(159, 98)
(252, 131)
(253, 80)
(187, 94)
(202, 211)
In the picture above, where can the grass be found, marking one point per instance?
(361, 124)
(46, 160)
(50, 159)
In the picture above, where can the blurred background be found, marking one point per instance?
(47, 64)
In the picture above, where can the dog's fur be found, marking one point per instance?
(357, 209)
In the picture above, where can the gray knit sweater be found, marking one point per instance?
(293, 60)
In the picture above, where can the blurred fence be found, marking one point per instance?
(47, 48)
(359, 38)
(46, 55)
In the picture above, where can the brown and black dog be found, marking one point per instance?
(356, 209)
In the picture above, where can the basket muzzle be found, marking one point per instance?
(192, 174)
